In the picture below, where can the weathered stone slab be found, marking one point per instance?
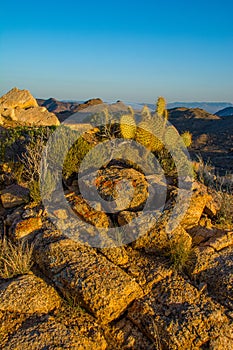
(146, 269)
(198, 201)
(179, 316)
(158, 238)
(46, 332)
(222, 239)
(89, 214)
(117, 255)
(24, 228)
(36, 116)
(125, 335)
(218, 275)
(77, 270)
(14, 196)
(28, 294)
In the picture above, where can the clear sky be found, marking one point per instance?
(127, 50)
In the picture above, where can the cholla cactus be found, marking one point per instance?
(128, 125)
(161, 108)
(187, 138)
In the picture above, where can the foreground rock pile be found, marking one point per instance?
(118, 261)
(127, 297)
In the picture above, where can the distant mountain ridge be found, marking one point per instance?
(225, 112)
(60, 106)
(211, 107)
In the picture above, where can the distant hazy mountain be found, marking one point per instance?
(225, 112)
(211, 107)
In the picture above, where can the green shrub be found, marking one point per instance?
(74, 157)
(14, 140)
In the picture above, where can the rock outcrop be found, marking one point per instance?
(28, 294)
(19, 107)
(18, 98)
(76, 270)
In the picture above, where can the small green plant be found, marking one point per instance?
(73, 303)
(15, 259)
(14, 140)
(179, 253)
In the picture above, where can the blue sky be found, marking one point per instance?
(133, 51)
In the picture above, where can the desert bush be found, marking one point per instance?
(74, 157)
(14, 140)
(108, 126)
(31, 160)
(225, 214)
(15, 259)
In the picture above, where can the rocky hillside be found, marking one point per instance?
(64, 109)
(120, 254)
(212, 136)
(225, 112)
(159, 292)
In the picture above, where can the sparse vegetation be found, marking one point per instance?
(179, 253)
(225, 214)
(74, 157)
(15, 259)
(34, 188)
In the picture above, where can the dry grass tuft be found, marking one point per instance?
(15, 259)
(179, 253)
